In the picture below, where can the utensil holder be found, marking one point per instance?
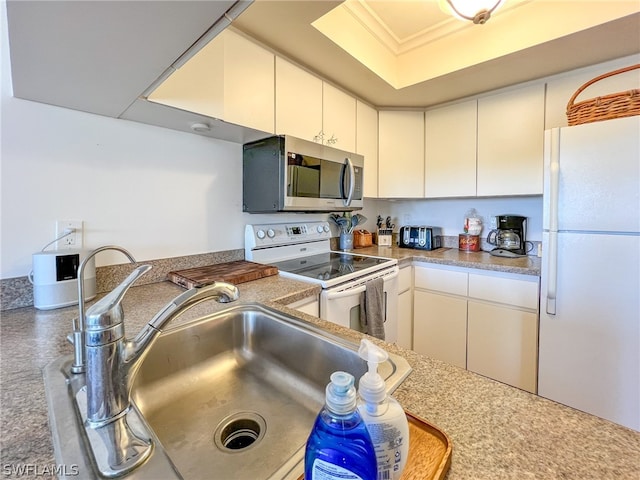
(346, 241)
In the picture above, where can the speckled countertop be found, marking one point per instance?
(528, 265)
(497, 431)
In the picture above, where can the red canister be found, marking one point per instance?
(469, 243)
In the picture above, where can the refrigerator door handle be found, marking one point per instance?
(554, 193)
(552, 279)
(554, 179)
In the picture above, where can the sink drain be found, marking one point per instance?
(240, 431)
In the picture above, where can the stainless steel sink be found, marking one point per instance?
(235, 394)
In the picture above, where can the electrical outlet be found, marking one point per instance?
(73, 240)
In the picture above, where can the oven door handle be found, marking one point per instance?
(345, 293)
(332, 295)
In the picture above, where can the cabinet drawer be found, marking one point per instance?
(404, 279)
(509, 289)
(441, 280)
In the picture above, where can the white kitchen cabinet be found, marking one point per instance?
(502, 344)
(484, 321)
(298, 101)
(450, 150)
(502, 337)
(248, 83)
(198, 86)
(510, 142)
(338, 118)
(405, 308)
(440, 313)
(309, 305)
(400, 154)
(222, 80)
(440, 327)
(367, 145)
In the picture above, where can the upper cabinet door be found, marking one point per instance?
(231, 78)
(400, 154)
(248, 83)
(338, 118)
(511, 142)
(367, 145)
(298, 101)
(450, 150)
(198, 86)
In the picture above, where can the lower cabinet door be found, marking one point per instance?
(405, 320)
(440, 327)
(503, 344)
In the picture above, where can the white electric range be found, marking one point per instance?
(301, 250)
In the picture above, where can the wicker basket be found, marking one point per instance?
(615, 105)
(361, 239)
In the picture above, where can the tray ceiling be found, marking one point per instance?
(410, 53)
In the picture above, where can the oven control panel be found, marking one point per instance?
(279, 234)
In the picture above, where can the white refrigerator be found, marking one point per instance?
(589, 340)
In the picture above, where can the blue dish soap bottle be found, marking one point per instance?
(339, 446)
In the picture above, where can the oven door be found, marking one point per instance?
(341, 304)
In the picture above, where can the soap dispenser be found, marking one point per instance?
(383, 416)
(339, 446)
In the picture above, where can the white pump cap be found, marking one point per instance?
(372, 388)
(341, 394)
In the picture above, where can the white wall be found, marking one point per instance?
(450, 213)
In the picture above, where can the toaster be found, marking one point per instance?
(421, 238)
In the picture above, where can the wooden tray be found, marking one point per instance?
(429, 451)
(236, 272)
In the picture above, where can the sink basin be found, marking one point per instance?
(236, 393)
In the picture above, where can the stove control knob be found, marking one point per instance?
(271, 233)
(320, 229)
(326, 228)
(260, 234)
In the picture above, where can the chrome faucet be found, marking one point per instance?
(111, 364)
(78, 365)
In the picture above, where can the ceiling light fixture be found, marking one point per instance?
(478, 11)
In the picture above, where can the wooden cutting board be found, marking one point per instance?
(236, 272)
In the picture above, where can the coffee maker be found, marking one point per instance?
(509, 237)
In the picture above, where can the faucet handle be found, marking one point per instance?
(107, 312)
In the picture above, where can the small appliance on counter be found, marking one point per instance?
(510, 236)
(421, 238)
(55, 278)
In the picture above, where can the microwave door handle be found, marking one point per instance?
(352, 181)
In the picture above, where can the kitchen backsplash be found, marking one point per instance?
(449, 214)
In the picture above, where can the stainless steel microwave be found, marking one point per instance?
(288, 174)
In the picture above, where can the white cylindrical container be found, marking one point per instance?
(384, 417)
(55, 278)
